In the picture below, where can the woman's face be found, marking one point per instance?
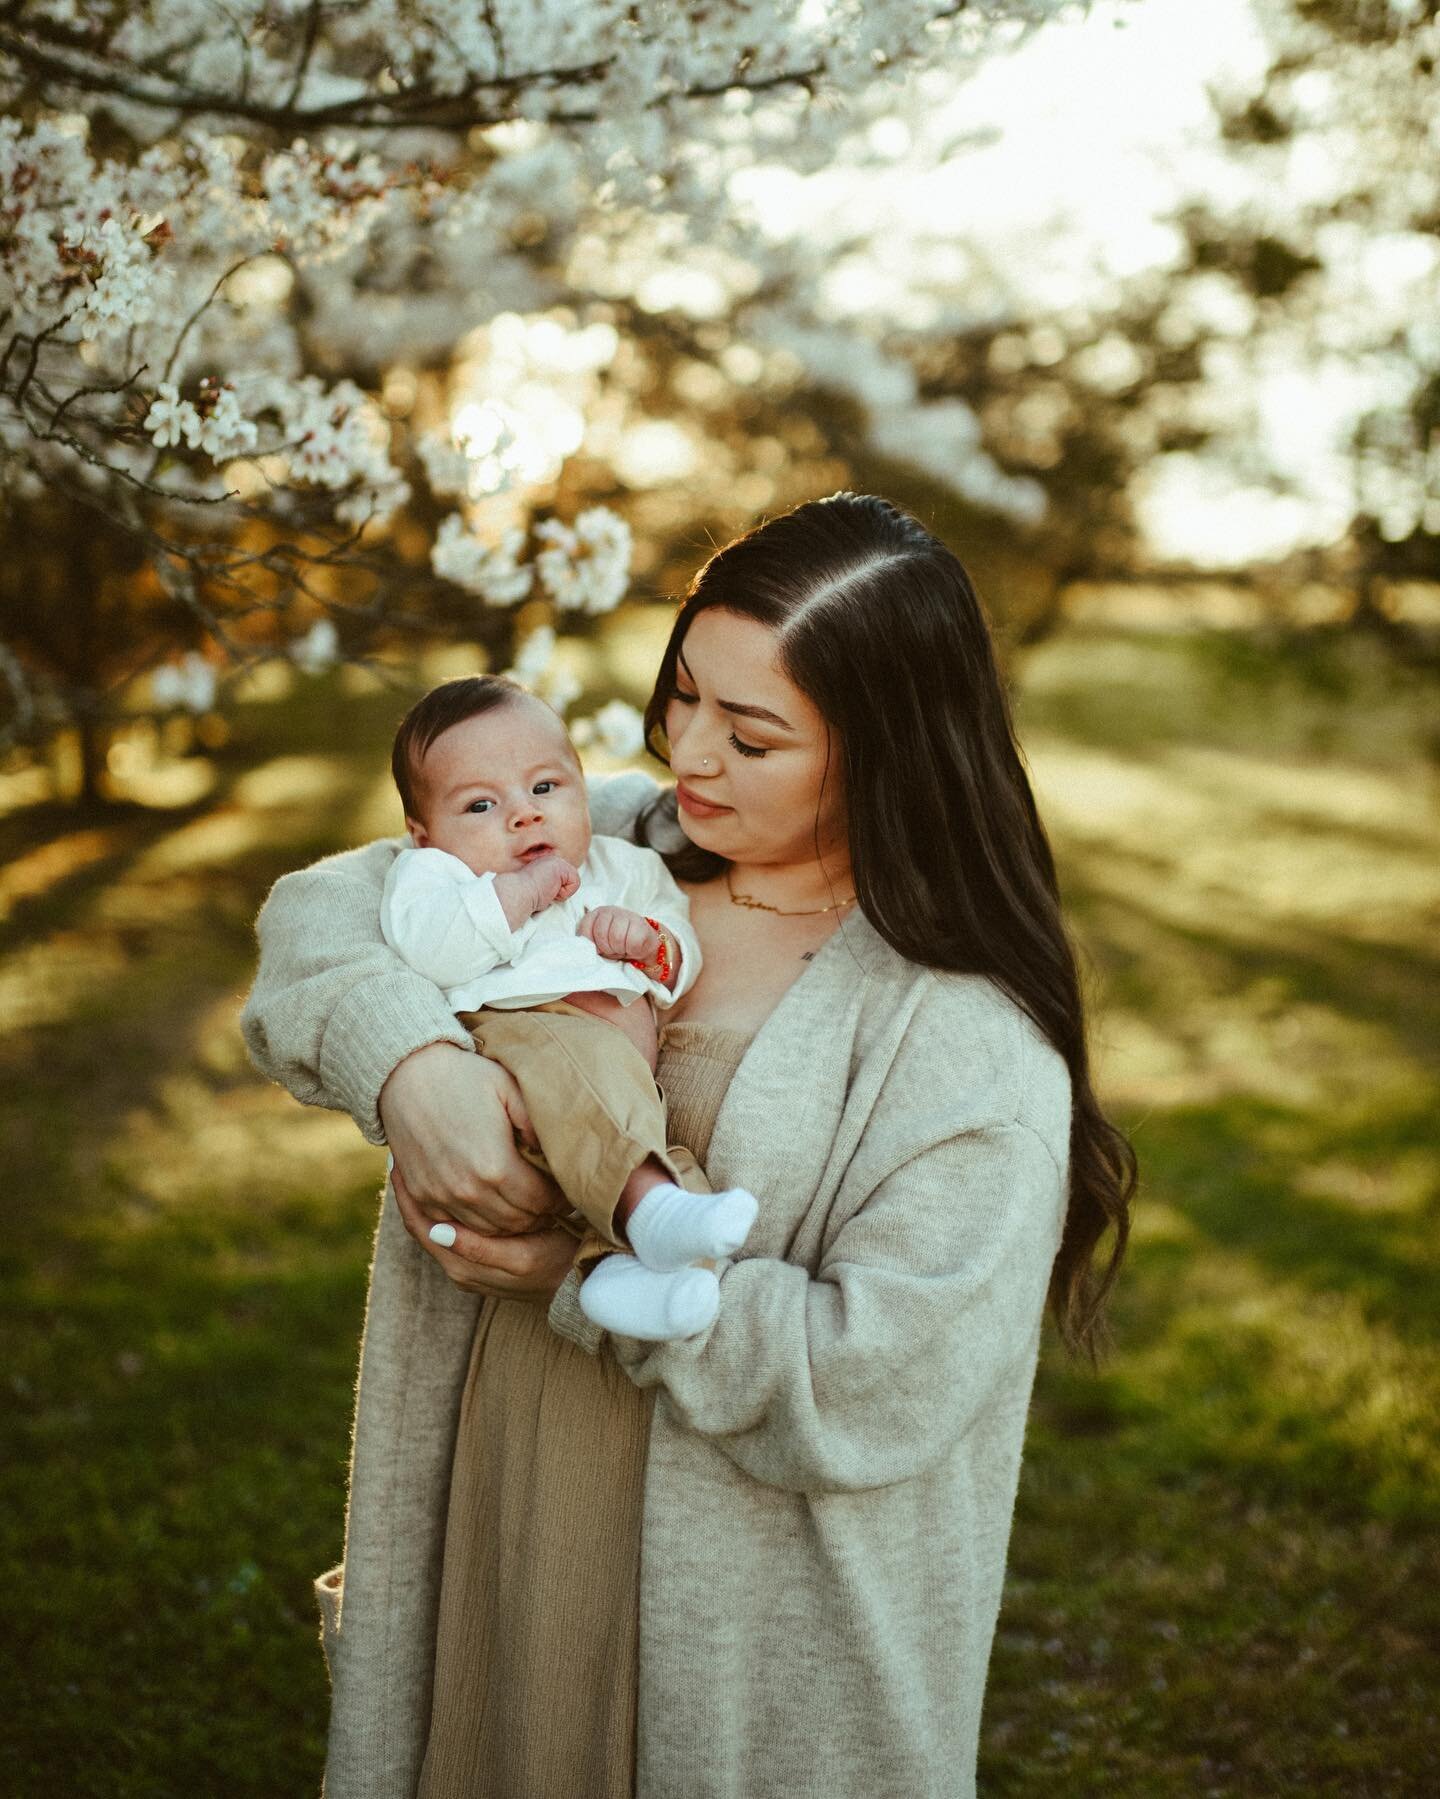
(757, 768)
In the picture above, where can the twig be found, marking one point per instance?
(202, 308)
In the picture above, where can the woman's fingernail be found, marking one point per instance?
(389, 1162)
(443, 1234)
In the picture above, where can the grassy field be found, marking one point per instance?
(1224, 1569)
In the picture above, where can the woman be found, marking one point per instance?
(827, 1474)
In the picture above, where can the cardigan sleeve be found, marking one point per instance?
(334, 1010)
(927, 1302)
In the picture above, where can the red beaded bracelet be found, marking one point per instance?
(661, 960)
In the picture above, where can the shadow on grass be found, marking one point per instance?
(1306, 693)
(1232, 1170)
(175, 1448)
(124, 959)
(178, 1373)
(1392, 989)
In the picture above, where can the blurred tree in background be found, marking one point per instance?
(1258, 400)
(332, 329)
(245, 253)
(1325, 273)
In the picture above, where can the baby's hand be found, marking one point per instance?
(529, 890)
(555, 880)
(619, 934)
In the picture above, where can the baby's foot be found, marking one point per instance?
(621, 1294)
(671, 1228)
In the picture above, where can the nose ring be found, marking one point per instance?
(704, 762)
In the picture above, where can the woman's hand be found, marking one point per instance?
(451, 1118)
(530, 1265)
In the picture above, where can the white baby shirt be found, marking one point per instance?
(448, 925)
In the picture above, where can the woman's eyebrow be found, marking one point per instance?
(738, 707)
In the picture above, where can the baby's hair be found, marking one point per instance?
(467, 696)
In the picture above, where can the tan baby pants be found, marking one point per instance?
(594, 1105)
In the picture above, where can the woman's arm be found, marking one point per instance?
(339, 1019)
(334, 1009)
(336, 1016)
(927, 1301)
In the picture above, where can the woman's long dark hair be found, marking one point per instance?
(879, 626)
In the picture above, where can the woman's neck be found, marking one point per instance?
(800, 887)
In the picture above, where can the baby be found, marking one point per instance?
(554, 946)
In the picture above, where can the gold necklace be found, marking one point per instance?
(744, 899)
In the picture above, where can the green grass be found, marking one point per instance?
(1223, 1577)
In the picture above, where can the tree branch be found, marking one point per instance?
(413, 107)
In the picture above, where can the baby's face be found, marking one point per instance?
(501, 790)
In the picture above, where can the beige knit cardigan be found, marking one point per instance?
(833, 1464)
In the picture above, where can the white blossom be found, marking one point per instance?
(447, 467)
(560, 688)
(538, 667)
(493, 573)
(318, 649)
(536, 654)
(336, 438)
(586, 567)
(170, 418)
(620, 728)
(322, 202)
(191, 682)
(224, 431)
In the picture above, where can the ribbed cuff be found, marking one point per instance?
(371, 1032)
(568, 1321)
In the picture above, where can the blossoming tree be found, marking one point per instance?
(222, 229)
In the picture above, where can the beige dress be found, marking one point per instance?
(535, 1660)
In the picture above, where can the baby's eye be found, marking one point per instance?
(480, 805)
(544, 786)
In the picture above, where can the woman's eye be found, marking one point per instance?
(746, 749)
(687, 699)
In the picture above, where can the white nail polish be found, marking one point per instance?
(389, 1162)
(443, 1234)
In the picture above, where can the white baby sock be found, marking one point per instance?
(670, 1227)
(621, 1294)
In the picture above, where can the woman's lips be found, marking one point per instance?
(691, 802)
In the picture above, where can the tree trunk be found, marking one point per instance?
(92, 795)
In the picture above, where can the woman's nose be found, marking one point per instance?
(691, 753)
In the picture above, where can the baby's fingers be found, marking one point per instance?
(644, 941)
(604, 929)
